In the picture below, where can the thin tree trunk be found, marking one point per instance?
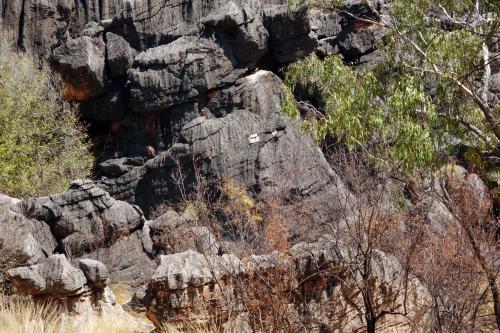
(492, 280)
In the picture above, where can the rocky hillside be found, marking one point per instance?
(182, 97)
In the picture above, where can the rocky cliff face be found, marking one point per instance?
(162, 81)
(191, 85)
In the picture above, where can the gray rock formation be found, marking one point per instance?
(95, 272)
(85, 217)
(127, 260)
(173, 233)
(120, 55)
(23, 241)
(84, 223)
(175, 84)
(53, 276)
(180, 71)
(54, 281)
(244, 138)
(165, 80)
(81, 61)
(311, 278)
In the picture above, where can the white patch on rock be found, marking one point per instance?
(256, 76)
(254, 138)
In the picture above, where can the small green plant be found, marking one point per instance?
(42, 144)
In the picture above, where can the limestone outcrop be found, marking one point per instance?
(312, 284)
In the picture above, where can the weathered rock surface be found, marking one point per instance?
(180, 71)
(120, 55)
(23, 241)
(85, 217)
(53, 276)
(95, 272)
(127, 260)
(166, 80)
(173, 233)
(81, 61)
(244, 138)
(56, 282)
(312, 275)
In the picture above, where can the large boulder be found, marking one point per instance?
(120, 55)
(23, 241)
(180, 71)
(127, 260)
(241, 27)
(81, 61)
(85, 217)
(54, 276)
(95, 272)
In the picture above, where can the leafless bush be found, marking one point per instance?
(458, 263)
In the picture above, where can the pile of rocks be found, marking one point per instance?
(80, 290)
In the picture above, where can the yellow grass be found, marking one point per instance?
(20, 315)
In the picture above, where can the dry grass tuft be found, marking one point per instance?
(21, 315)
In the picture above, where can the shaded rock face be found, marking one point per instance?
(242, 137)
(127, 260)
(23, 241)
(313, 277)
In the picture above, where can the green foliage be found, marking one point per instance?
(42, 145)
(239, 206)
(450, 61)
(404, 112)
(396, 130)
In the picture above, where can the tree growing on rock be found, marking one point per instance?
(42, 144)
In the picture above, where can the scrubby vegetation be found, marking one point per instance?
(43, 146)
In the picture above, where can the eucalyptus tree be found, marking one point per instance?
(432, 86)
